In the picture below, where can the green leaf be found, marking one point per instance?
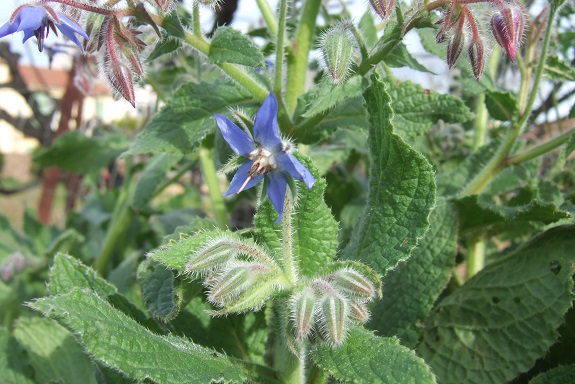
(186, 119)
(75, 152)
(159, 290)
(54, 353)
(451, 183)
(483, 332)
(68, 273)
(411, 289)
(173, 25)
(232, 46)
(502, 105)
(133, 349)
(557, 69)
(328, 95)
(563, 374)
(151, 178)
(401, 192)
(314, 230)
(163, 47)
(366, 358)
(400, 57)
(416, 109)
(12, 360)
(368, 29)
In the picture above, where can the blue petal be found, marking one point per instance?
(289, 164)
(240, 178)
(277, 185)
(28, 20)
(239, 141)
(266, 130)
(69, 29)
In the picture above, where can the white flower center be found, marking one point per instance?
(264, 163)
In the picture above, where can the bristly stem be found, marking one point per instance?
(289, 264)
(211, 178)
(541, 149)
(268, 16)
(298, 61)
(278, 78)
(499, 159)
(197, 29)
(475, 257)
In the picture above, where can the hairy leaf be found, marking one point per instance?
(563, 374)
(314, 235)
(158, 290)
(401, 192)
(187, 118)
(400, 57)
(54, 353)
(416, 109)
(557, 69)
(328, 95)
(151, 177)
(502, 105)
(13, 360)
(232, 46)
(484, 331)
(366, 358)
(411, 289)
(133, 349)
(75, 152)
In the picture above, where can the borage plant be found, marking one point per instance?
(400, 235)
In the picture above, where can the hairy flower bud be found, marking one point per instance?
(359, 312)
(455, 45)
(121, 78)
(303, 308)
(382, 7)
(164, 5)
(507, 28)
(477, 57)
(354, 284)
(334, 318)
(210, 258)
(338, 48)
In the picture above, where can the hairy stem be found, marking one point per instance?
(541, 149)
(298, 61)
(278, 78)
(499, 159)
(268, 15)
(210, 176)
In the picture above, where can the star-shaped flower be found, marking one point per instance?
(267, 155)
(38, 20)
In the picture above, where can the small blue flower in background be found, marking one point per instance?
(268, 155)
(37, 21)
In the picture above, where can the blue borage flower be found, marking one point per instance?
(38, 20)
(267, 155)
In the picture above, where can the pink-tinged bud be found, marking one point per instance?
(334, 319)
(121, 78)
(354, 284)
(454, 49)
(382, 7)
(477, 57)
(359, 312)
(164, 5)
(228, 285)
(507, 28)
(303, 308)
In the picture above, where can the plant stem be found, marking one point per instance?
(269, 17)
(499, 159)
(196, 19)
(288, 261)
(475, 257)
(298, 61)
(541, 149)
(290, 368)
(210, 176)
(278, 78)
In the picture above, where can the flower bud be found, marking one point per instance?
(303, 308)
(477, 57)
(121, 78)
(164, 5)
(210, 258)
(225, 288)
(507, 28)
(354, 284)
(382, 7)
(359, 312)
(338, 48)
(334, 318)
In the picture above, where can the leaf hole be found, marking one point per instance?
(495, 300)
(517, 300)
(555, 267)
